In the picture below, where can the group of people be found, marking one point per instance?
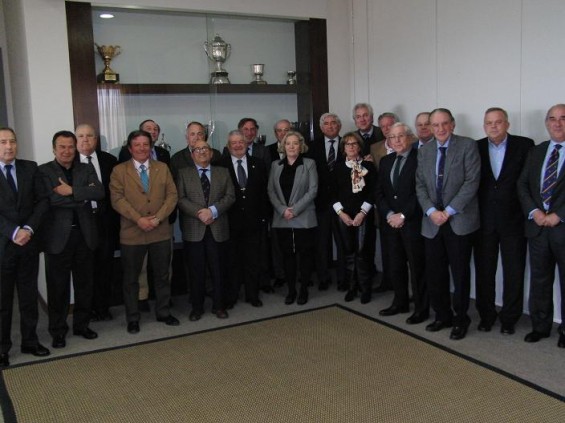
(254, 213)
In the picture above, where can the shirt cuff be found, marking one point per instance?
(28, 228)
(430, 211)
(450, 210)
(15, 233)
(214, 211)
(531, 214)
(366, 207)
(337, 206)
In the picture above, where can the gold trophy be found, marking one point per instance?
(108, 53)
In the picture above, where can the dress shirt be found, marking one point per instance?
(212, 208)
(496, 155)
(550, 149)
(368, 133)
(402, 163)
(95, 163)
(328, 144)
(243, 164)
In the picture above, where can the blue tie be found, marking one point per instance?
(144, 178)
(439, 181)
(10, 178)
(550, 175)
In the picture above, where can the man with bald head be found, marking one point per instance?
(106, 220)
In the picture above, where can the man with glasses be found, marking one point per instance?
(206, 193)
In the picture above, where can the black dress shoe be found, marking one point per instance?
(38, 351)
(393, 310)
(438, 325)
(290, 298)
(143, 305)
(4, 360)
(417, 318)
(324, 285)
(195, 316)
(365, 297)
(86, 333)
(507, 329)
(302, 297)
(133, 327)
(535, 336)
(221, 313)
(256, 303)
(484, 326)
(561, 342)
(170, 320)
(350, 296)
(59, 341)
(458, 332)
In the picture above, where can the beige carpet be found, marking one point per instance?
(326, 365)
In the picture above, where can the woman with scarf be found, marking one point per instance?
(355, 181)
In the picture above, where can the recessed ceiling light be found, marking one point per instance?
(106, 15)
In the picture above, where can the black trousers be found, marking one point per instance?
(513, 254)
(327, 227)
(200, 255)
(245, 267)
(357, 247)
(298, 250)
(19, 270)
(449, 251)
(547, 249)
(159, 255)
(76, 260)
(406, 262)
(103, 265)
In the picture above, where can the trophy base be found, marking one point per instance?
(219, 78)
(108, 78)
(291, 82)
(260, 82)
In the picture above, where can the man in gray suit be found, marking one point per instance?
(205, 194)
(69, 236)
(447, 181)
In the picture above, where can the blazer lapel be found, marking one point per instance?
(134, 176)
(298, 176)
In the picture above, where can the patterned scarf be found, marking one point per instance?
(357, 174)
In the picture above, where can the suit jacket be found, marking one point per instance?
(191, 199)
(326, 179)
(27, 207)
(403, 199)
(251, 208)
(378, 151)
(183, 158)
(58, 222)
(529, 187)
(273, 153)
(302, 197)
(162, 155)
(375, 137)
(132, 203)
(460, 184)
(499, 206)
(259, 151)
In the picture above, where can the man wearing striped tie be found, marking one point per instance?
(541, 189)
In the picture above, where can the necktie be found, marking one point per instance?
(93, 204)
(10, 178)
(241, 176)
(396, 171)
(439, 181)
(205, 185)
(366, 137)
(144, 178)
(550, 175)
(331, 156)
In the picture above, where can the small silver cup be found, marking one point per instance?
(258, 70)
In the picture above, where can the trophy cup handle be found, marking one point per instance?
(205, 47)
(228, 51)
(117, 50)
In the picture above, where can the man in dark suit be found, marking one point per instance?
(70, 237)
(195, 132)
(106, 219)
(447, 180)
(502, 223)
(371, 134)
(247, 220)
(541, 189)
(205, 194)
(326, 153)
(249, 127)
(23, 206)
(157, 153)
(144, 194)
(401, 220)
(281, 128)
(162, 155)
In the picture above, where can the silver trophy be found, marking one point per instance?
(210, 128)
(258, 70)
(163, 144)
(291, 78)
(218, 52)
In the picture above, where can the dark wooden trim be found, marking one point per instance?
(81, 58)
(207, 89)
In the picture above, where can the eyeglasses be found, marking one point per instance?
(399, 136)
(201, 149)
(199, 134)
(351, 144)
(282, 130)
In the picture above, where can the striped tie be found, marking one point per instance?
(331, 156)
(550, 175)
